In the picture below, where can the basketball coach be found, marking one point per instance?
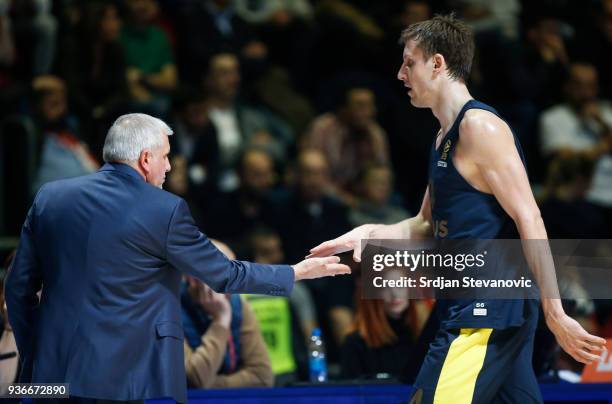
(108, 251)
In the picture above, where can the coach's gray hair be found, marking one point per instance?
(130, 134)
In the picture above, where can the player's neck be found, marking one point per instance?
(452, 98)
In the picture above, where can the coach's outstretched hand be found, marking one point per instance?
(347, 242)
(312, 268)
(574, 339)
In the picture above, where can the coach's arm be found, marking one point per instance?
(190, 251)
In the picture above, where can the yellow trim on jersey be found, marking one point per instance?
(461, 367)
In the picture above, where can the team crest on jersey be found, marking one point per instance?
(444, 156)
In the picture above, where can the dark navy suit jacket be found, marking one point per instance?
(108, 250)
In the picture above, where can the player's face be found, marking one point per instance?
(416, 73)
(157, 164)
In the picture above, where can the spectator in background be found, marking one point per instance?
(315, 216)
(35, 30)
(152, 74)
(178, 183)
(285, 323)
(9, 364)
(595, 44)
(237, 124)
(384, 335)
(208, 27)
(582, 123)
(10, 88)
(267, 248)
(223, 345)
(414, 11)
(274, 90)
(564, 208)
(281, 12)
(349, 38)
(92, 63)
(286, 28)
(350, 139)
(485, 15)
(231, 215)
(62, 153)
(546, 59)
(7, 44)
(308, 206)
(375, 188)
(195, 139)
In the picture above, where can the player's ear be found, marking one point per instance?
(438, 63)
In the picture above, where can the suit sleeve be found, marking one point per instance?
(191, 252)
(23, 281)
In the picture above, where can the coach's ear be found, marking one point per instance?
(144, 161)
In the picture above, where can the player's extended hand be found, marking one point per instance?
(346, 242)
(574, 339)
(312, 268)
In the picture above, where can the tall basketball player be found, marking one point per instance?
(478, 189)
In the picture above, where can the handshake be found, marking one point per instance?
(321, 260)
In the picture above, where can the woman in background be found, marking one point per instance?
(385, 334)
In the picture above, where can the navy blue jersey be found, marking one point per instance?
(460, 211)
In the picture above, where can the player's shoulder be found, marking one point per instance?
(482, 125)
(480, 120)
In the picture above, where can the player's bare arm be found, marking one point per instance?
(488, 159)
(417, 227)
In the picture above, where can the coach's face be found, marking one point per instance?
(155, 163)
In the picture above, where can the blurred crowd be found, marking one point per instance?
(290, 128)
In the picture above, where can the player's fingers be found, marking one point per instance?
(357, 255)
(325, 260)
(576, 355)
(331, 260)
(322, 252)
(587, 356)
(579, 353)
(337, 269)
(595, 340)
(590, 346)
(324, 246)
